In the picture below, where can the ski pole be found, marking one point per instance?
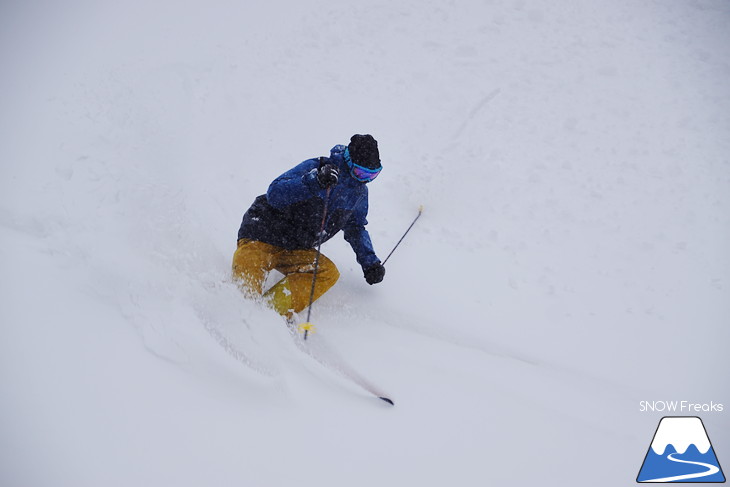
(420, 210)
(308, 325)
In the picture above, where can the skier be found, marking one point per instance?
(281, 229)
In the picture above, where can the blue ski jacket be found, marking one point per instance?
(289, 215)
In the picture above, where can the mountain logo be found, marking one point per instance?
(681, 452)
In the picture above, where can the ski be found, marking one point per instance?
(320, 351)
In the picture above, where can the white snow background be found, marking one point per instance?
(573, 258)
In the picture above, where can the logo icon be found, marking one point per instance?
(681, 452)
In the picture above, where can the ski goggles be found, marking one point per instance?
(361, 173)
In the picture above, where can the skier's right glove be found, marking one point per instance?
(374, 274)
(328, 175)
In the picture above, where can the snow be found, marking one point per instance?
(571, 261)
(681, 433)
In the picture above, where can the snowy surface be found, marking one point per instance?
(573, 259)
(689, 430)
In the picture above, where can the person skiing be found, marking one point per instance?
(302, 208)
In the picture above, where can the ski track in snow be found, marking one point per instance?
(477, 108)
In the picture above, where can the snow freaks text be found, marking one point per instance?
(680, 407)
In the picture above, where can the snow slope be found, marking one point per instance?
(572, 261)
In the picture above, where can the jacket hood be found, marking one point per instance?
(337, 154)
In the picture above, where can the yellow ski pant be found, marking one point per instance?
(253, 261)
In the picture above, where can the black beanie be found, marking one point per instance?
(364, 151)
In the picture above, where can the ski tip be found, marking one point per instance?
(389, 401)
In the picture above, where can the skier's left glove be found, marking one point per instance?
(374, 274)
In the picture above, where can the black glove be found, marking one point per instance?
(374, 274)
(328, 175)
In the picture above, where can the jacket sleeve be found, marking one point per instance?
(295, 185)
(358, 237)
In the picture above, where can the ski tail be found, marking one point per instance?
(320, 351)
